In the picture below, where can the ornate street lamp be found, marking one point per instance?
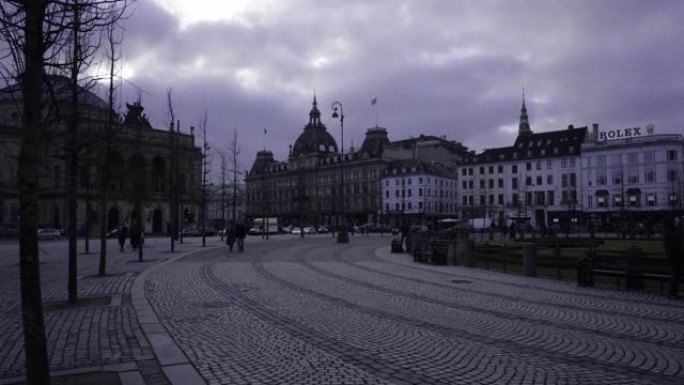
(342, 236)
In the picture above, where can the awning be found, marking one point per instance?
(601, 193)
(633, 191)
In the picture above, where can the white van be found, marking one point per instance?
(480, 224)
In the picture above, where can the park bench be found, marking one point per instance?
(504, 255)
(632, 266)
(432, 251)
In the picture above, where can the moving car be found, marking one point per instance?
(49, 233)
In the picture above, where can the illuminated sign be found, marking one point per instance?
(618, 134)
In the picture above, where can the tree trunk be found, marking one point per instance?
(37, 369)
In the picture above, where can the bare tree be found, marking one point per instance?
(173, 174)
(111, 129)
(205, 172)
(30, 29)
(234, 150)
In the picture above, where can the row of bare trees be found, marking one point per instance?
(53, 37)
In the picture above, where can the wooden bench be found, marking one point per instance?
(631, 265)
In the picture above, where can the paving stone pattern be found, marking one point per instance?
(292, 311)
(85, 337)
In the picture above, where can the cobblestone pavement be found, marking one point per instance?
(103, 336)
(292, 311)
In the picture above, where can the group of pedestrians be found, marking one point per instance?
(134, 235)
(236, 232)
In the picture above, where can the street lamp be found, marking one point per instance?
(342, 236)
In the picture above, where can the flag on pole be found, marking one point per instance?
(373, 101)
(265, 132)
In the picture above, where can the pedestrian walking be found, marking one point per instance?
(122, 234)
(673, 239)
(240, 234)
(230, 235)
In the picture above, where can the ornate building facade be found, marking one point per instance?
(307, 188)
(130, 164)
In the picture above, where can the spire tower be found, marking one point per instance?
(524, 125)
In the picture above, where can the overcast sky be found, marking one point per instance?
(436, 67)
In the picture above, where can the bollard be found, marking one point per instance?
(530, 261)
(634, 281)
(470, 253)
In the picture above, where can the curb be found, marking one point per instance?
(173, 361)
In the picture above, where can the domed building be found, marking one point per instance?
(306, 188)
(315, 140)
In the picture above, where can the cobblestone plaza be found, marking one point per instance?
(311, 311)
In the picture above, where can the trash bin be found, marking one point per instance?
(396, 246)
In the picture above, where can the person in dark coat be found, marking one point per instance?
(230, 235)
(240, 234)
(673, 240)
(122, 234)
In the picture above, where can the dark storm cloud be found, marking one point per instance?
(436, 67)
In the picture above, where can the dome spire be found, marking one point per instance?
(524, 125)
(314, 114)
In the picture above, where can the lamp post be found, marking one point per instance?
(342, 236)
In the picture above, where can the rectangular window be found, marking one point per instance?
(470, 184)
(482, 170)
(651, 199)
(482, 183)
(549, 179)
(514, 183)
(564, 180)
(671, 155)
(465, 185)
(601, 161)
(672, 175)
(601, 179)
(539, 165)
(491, 183)
(564, 163)
(649, 157)
(617, 200)
(491, 169)
(528, 166)
(550, 195)
(515, 199)
(501, 182)
(633, 175)
(465, 201)
(501, 199)
(616, 160)
(600, 201)
(632, 158)
(500, 169)
(528, 181)
(617, 176)
(549, 164)
(650, 175)
(539, 180)
(514, 169)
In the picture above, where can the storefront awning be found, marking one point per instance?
(601, 193)
(633, 191)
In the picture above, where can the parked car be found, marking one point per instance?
(296, 231)
(49, 233)
(191, 233)
(309, 230)
(322, 230)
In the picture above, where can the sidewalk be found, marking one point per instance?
(112, 329)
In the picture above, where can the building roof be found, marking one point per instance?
(549, 144)
(59, 87)
(415, 166)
